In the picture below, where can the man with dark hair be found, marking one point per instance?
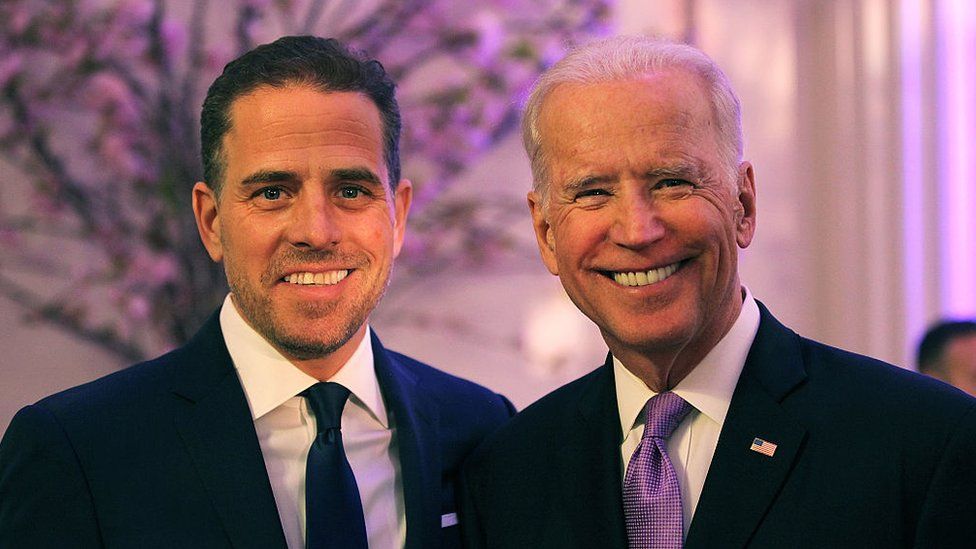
(948, 352)
(284, 422)
(710, 424)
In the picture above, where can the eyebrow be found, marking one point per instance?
(682, 170)
(678, 170)
(579, 183)
(263, 177)
(356, 174)
(268, 176)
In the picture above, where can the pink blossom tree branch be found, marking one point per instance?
(99, 101)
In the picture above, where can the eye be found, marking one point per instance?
(670, 183)
(673, 189)
(592, 192)
(270, 193)
(352, 192)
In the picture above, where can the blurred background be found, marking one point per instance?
(859, 117)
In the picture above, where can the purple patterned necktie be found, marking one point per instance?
(652, 498)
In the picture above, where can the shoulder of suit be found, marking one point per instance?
(859, 381)
(131, 387)
(445, 387)
(875, 384)
(525, 434)
(569, 394)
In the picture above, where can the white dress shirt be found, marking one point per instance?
(286, 427)
(708, 388)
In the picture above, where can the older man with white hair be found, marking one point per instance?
(710, 424)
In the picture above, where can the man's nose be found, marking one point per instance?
(637, 222)
(314, 223)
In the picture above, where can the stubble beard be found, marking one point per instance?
(260, 313)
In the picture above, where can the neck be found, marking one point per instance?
(660, 371)
(661, 366)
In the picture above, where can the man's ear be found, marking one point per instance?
(402, 198)
(208, 219)
(745, 215)
(543, 232)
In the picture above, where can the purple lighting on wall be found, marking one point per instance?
(956, 23)
(913, 182)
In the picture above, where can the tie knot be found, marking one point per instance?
(326, 399)
(663, 413)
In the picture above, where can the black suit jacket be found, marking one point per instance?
(869, 455)
(164, 454)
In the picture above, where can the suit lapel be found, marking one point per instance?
(214, 420)
(416, 425)
(742, 483)
(590, 466)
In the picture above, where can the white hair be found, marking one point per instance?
(624, 58)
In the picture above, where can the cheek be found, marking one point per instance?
(579, 232)
(376, 233)
(247, 245)
(569, 250)
(708, 220)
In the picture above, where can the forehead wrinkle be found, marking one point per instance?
(288, 118)
(590, 140)
(303, 141)
(270, 115)
(656, 133)
(309, 136)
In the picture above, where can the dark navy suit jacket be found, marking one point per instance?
(868, 455)
(164, 454)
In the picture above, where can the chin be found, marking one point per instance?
(653, 333)
(299, 345)
(307, 349)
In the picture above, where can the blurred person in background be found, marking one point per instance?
(947, 352)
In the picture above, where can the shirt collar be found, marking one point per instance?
(270, 380)
(709, 385)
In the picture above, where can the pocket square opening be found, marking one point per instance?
(449, 519)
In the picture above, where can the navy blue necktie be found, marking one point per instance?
(333, 511)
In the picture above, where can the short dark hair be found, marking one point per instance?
(324, 64)
(937, 338)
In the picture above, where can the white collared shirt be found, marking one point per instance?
(708, 388)
(286, 428)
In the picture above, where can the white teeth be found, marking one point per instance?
(643, 278)
(320, 279)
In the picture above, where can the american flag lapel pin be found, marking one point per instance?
(764, 447)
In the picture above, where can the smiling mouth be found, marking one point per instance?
(643, 278)
(327, 278)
